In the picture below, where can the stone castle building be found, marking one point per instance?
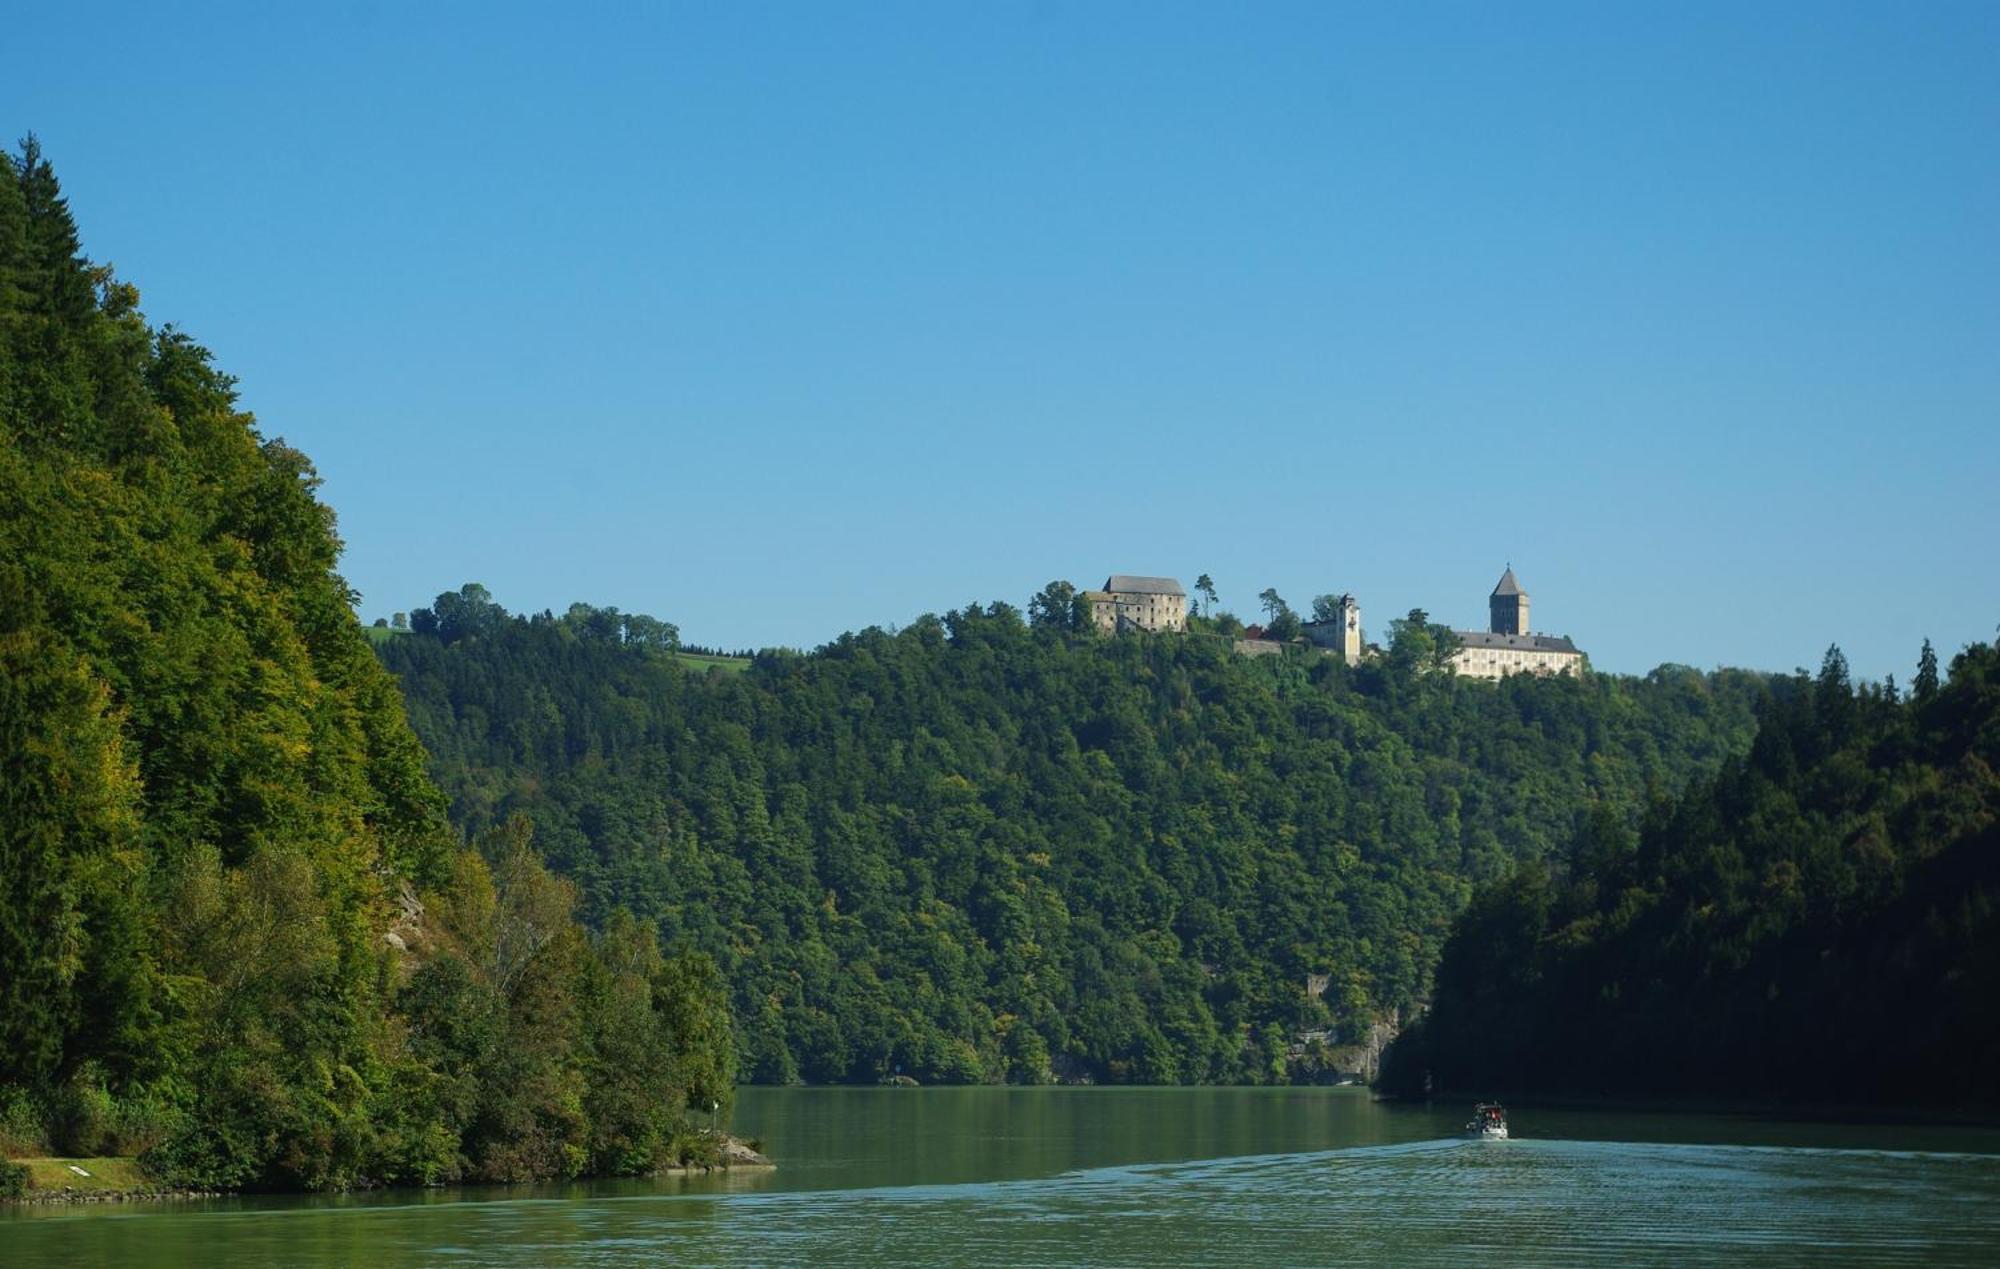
(1340, 634)
(1137, 603)
(1508, 647)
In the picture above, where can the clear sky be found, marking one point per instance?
(780, 320)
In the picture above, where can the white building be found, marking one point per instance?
(1508, 647)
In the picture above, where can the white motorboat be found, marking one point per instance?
(1488, 1123)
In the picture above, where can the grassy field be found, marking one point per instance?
(702, 664)
(111, 1176)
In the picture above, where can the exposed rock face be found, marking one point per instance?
(1380, 1033)
(1316, 1059)
(735, 1154)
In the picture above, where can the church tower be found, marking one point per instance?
(1509, 606)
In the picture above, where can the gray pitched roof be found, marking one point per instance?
(1143, 585)
(1508, 586)
(1520, 643)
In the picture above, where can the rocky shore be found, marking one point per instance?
(731, 1153)
(72, 1194)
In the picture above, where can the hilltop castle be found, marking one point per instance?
(1508, 647)
(1137, 603)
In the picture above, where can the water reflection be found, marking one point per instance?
(1110, 1176)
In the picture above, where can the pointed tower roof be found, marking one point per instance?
(1508, 586)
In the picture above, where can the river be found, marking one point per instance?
(1143, 1177)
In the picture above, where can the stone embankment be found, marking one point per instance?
(72, 1194)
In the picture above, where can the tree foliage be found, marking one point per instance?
(1056, 607)
(215, 822)
(983, 848)
(1816, 922)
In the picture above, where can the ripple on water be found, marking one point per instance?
(1426, 1202)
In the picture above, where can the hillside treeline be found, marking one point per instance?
(237, 934)
(986, 848)
(1817, 922)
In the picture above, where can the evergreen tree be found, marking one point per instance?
(1845, 871)
(970, 851)
(1204, 586)
(215, 822)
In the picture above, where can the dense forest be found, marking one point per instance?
(238, 936)
(992, 846)
(1817, 922)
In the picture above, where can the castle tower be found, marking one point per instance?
(1348, 614)
(1509, 606)
(1339, 631)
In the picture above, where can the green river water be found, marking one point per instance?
(1144, 1177)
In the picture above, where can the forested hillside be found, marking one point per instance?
(984, 848)
(237, 935)
(1818, 922)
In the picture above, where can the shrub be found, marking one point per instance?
(695, 1149)
(13, 1179)
(21, 1128)
(139, 1121)
(80, 1118)
(201, 1157)
(85, 1118)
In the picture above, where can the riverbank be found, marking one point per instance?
(111, 1179)
(94, 1180)
(1007, 1176)
(1973, 1116)
(731, 1154)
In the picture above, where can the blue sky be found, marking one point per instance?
(780, 320)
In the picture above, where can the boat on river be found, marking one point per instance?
(1489, 1122)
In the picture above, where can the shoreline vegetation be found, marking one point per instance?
(239, 939)
(56, 1181)
(1819, 922)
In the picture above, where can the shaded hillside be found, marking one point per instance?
(236, 930)
(1818, 922)
(982, 848)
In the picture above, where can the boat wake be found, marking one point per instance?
(1450, 1200)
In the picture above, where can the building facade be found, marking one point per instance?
(1509, 646)
(1341, 633)
(1128, 602)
